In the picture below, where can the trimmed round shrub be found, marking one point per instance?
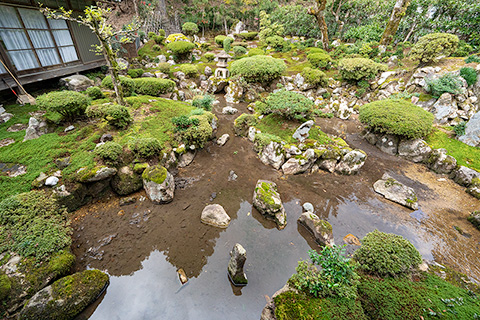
(315, 77)
(135, 73)
(320, 60)
(256, 52)
(434, 45)
(209, 56)
(176, 37)
(239, 51)
(109, 152)
(126, 83)
(151, 35)
(190, 28)
(398, 117)
(116, 115)
(219, 39)
(158, 40)
(276, 42)
(227, 44)
(261, 69)
(153, 86)
(359, 68)
(95, 93)
(241, 44)
(69, 104)
(387, 254)
(249, 36)
(288, 104)
(469, 74)
(199, 134)
(164, 67)
(145, 147)
(190, 70)
(156, 47)
(162, 32)
(463, 49)
(181, 48)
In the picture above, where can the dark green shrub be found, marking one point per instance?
(449, 82)
(183, 122)
(95, 93)
(145, 147)
(398, 117)
(156, 47)
(153, 86)
(220, 38)
(276, 42)
(288, 104)
(473, 58)
(256, 52)
(199, 134)
(205, 102)
(469, 74)
(459, 129)
(109, 152)
(33, 224)
(315, 77)
(69, 104)
(249, 36)
(335, 278)
(181, 48)
(261, 69)
(209, 56)
(239, 51)
(463, 50)
(434, 45)
(387, 254)
(320, 60)
(126, 83)
(116, 115)
(359, 69)
(135, 73)
(164, 67)
(365, 33)
(190, 70)
(227, 44)
(158, 40)
(190, 28)
(151, 35)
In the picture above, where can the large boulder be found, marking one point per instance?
(215, 215)
(273, 155)
(126, 181)
(464, 176)
(472, 131)
(36, 128)
(266, 200)
(216, 85)
(67, 297)
(414, 150)
(321, 229)
(351, 162)
(440, 162)
(303, 131)
(238, 256)
(445, 108)
(98, 173)
(159, 184)
(77, 82)
(300, 163)
(393, 190)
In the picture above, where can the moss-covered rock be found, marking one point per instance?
(266, 200)
(96, 174)
(5, 287)
(321, 229)
(67, 297)
(126, 181)
(474, 218)
(159, 184)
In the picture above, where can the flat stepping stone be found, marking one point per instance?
(397, 192)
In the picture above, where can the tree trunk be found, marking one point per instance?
(318, 13)
(392, 27)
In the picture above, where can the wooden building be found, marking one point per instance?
(35, 48)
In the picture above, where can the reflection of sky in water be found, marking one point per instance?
(155, 292)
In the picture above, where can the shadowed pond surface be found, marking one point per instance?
(142, 245)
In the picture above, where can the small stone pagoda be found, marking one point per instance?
(222, 71)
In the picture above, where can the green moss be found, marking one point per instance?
(140, 167)
(156, 174)
(86, 174)
(5, 287)
(266, 192)
(61, 263)
(324, 225)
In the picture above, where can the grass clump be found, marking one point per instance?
(432, 46)
(469, 74)
(473, 58)
(290, 105)
(357, 69)
(448, 83)
(95, 93)
(145, 147)
(109, 152)
(315, 77)
(258, 69)
(387, 254)
(153, 86)
(398, 117)
(69, 104)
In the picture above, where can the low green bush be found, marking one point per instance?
(162, 33)
(398, 117)
(255, 52)
(145, 147)
(69, 104)
(181, 48)
(164, 67)
(365, 33)
(320, 60)
(153, 86)
(434, 45)
(227, 44)
(239, 51)
(220, 38)
(115, 115)
(151, 35)
(95, 93)
(184, 122)
(315, 77)
(209, 56)
(249, 36)
(109, 152)
(387, 254)
(200, 133)
(240, 44)
(261, 69)
(459, 128)
(473, 58)
(190, 70)
(469, 74)
(190, 28)
(463, 49)
(135, 73)
(359, 69)
(127, 84)
(276, 42)
(448, 83)
(204, 102)
(159, 40)
(288, 104)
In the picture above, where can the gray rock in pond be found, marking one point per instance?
(272, 154)
(464, 176)
(126, 181)
(393, 190)
(415, 150)
(351, 162)
(215, 215)
(308, 207)
(223, 139)
(77, 82)
(159, 184)
(266, 200)
(235, 265)
(303, 131)
(388, 144)
(51, 181)
(67, 297)
(440, 162)
(472, 131)
(321, 229)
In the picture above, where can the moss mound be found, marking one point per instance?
(156, 174)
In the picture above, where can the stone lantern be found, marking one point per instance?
(222, 71)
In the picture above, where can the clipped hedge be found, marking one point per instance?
(398, 117)
(126, 83)
(190, 28)
(95, 93)
(145, 147)
(69, 104)
(135, 73)
(239, 51)
(276, 42)
(190, 70)
(109, 152)
(153, 86)
(359, 68)
(320, 60)
(116, 115)
(220, 38)
(181, 48)
(434, 45)
(261, 69)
